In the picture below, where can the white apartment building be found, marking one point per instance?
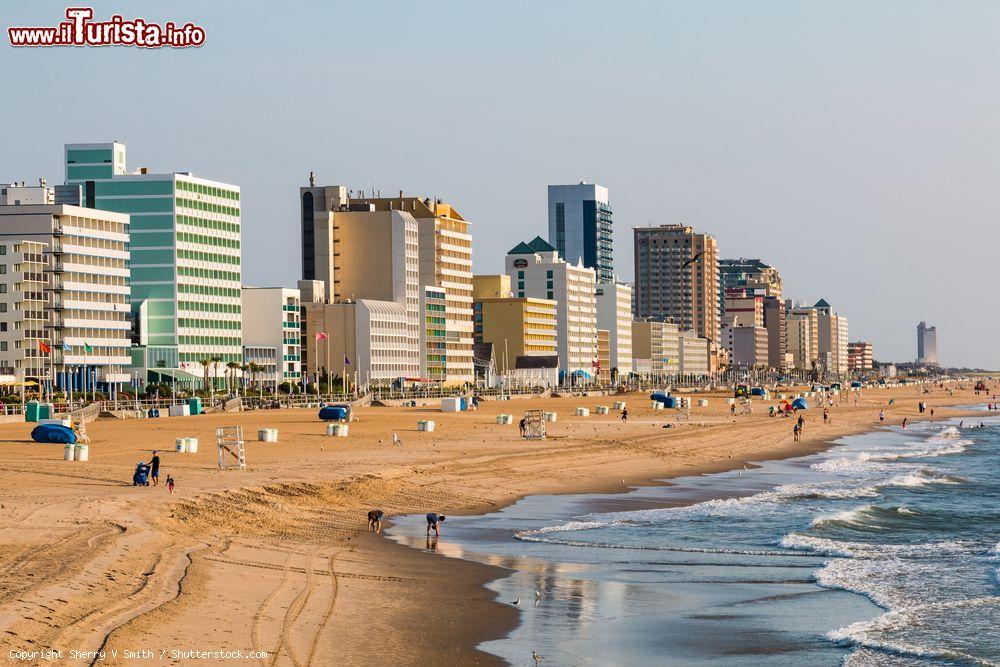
(271, 320)
(84, 292)
(655, 348)
(614, 313)
(537, 271)
(694, 353)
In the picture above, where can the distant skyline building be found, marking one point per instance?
(750, 274)
(186, 267)
(677, 278)
(581, 227)
(927, 344)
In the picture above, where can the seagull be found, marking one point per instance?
(538, 594)
(623, 482)
(537, 658)
(516, 602)
(322, 448)
(396, 440)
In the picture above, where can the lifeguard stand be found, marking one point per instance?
(229, 439)
(534, 424)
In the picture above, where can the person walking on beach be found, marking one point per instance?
(521, 425)
(904, 422)
(375, 520)
(826, 415)
(801, 423)
(796, 433)
(154, 467)
(881, 416)
(170, 484)
(434, 521)
(624, 414)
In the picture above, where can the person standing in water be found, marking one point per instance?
(434, 521)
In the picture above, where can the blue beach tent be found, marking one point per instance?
(54, 433)
(800, 404)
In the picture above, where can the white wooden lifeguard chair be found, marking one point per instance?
(534, 424)
(232, 454)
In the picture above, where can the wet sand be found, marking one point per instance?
(277, 558)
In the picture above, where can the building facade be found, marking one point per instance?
(927, 344)
(581, 227)
(614, 313)
(185, 242)
(69, 293)
(536, 270)
(677, 277)
(516, 327)
(603, 367)
(271, 319)
(802, 328)
(746, 346)
(859, 356)
(832, 339)
(656, 349)
(777, 334)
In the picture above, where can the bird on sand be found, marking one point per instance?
(516, 602)
(537, 658)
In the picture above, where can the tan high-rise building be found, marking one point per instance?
(802, 331)
(832, 338)
(677, 277)
(444, 251)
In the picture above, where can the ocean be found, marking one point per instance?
(882, 550)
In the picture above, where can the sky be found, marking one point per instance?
(853, 145)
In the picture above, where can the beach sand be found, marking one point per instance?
(277, 558)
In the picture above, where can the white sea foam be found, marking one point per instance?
(826, 546)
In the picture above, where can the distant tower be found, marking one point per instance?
(927, 344)
(580, 227)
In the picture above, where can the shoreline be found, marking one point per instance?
(285, 543)
(611, 488)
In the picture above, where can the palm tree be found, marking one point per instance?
(204, 373)
(254, 369)
(216, 360)
(231, 369)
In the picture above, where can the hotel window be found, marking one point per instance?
(3, 250)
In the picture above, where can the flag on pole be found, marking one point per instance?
(87, 348)
(346, 360)
(321, 336)
(44, 347)
(67, 347)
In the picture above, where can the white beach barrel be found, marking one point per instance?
(501, 419)
(180, 445)
(68, 452)
(192, 445)
(342, 430)
(730, 401)
(551, 416)
(273, 434)
(583, 412)
(82, 452)
(619, 405)
(262, 435)
(703, 402)
(656, 405)
(428, 425)
(331, 429)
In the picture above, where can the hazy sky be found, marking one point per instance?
(854, 145)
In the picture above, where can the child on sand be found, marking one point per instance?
(170, 484)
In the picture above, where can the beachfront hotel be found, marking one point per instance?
(677, 277)
(536, 270)
(859, 356)
(802, 328)
(581, 227)
(661, 349)
(746, 344)
(515, 326)
(613, 302)
(64, 294)
(831, 342)
(186, 261)
(271, 335)
(444, 273)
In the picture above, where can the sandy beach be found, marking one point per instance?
(277, 558)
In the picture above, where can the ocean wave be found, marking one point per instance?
(532, 536)
(883, 633)
(830, 547)
(866, 517)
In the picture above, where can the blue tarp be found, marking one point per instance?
(668, 401)
(856, 385)
(331, 413)
(54, 433)
(757, 391)
(800, 404)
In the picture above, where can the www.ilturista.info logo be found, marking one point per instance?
(80, 30)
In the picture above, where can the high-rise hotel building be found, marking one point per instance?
(186, 267)
(677, 278)
(581, 227)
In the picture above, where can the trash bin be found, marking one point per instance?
(194, 404)
(31, 411)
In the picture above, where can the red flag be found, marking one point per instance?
(321, 336)
(44, 347)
